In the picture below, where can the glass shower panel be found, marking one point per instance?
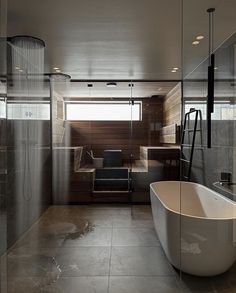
(154, 142)
(29, 159)
(72, 157)
(3, 146)
(62, 152)
(110, 142)
(208, 212)
(28, 150)
(3, 170)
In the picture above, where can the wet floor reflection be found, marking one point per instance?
(103, 250)
(81, 231)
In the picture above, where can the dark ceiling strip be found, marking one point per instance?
(125, 80)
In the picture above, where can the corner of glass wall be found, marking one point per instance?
(208, 209)
(28, 138)
(62, 153)
(3, 146)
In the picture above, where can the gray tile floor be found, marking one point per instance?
(100, 249)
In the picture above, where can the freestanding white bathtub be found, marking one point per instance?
(199, 221)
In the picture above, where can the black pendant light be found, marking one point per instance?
(211, 77)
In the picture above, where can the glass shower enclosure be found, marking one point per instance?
(208, 174)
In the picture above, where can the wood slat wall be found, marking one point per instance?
(116, 135)
(172, 114)
(172, 107)
(57, 119)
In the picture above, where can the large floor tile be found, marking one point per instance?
(66, 234)
(46, 234)
(79, 285)
(84, 261)
(100, 220)
(191, 284)
(134, 237)
(139, 261)
(24, 262)
(129, 220)
(143, 285)
(225, 283)
(40, 238)
(62, 285)
(142, 211)
(95, 237)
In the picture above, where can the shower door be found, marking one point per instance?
(208, 246)
(110, 141)
(91, 133)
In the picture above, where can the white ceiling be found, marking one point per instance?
(120, 39)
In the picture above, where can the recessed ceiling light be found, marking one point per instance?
(216, 68)
(17, 67)
(56, 68)
(21, 70)
(173, 70)
(111, 84)
(195, 42)
(200, 37)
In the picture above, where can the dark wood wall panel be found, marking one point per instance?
(116, 135)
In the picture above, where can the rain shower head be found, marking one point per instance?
(15, 39)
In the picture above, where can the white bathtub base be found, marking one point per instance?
(198, 246)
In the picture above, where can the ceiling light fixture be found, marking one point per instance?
(173, 70)
(17, 67)
(200, 37)
(195, 43)
(176, 68)
(111, 84)
(56, 68)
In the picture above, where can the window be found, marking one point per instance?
(222, 110)
(104, 111)
(3, 113)
(28, 111)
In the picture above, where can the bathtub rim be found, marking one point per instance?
(190, 216)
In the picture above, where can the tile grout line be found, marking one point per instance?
(109, 272)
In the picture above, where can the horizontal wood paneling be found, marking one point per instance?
(57, 119)
(169, 134)
(171, 113)
(100, 135)
(172, 107)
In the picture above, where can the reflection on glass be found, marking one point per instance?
(29, 164)
(208, 207)
(26, 111)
